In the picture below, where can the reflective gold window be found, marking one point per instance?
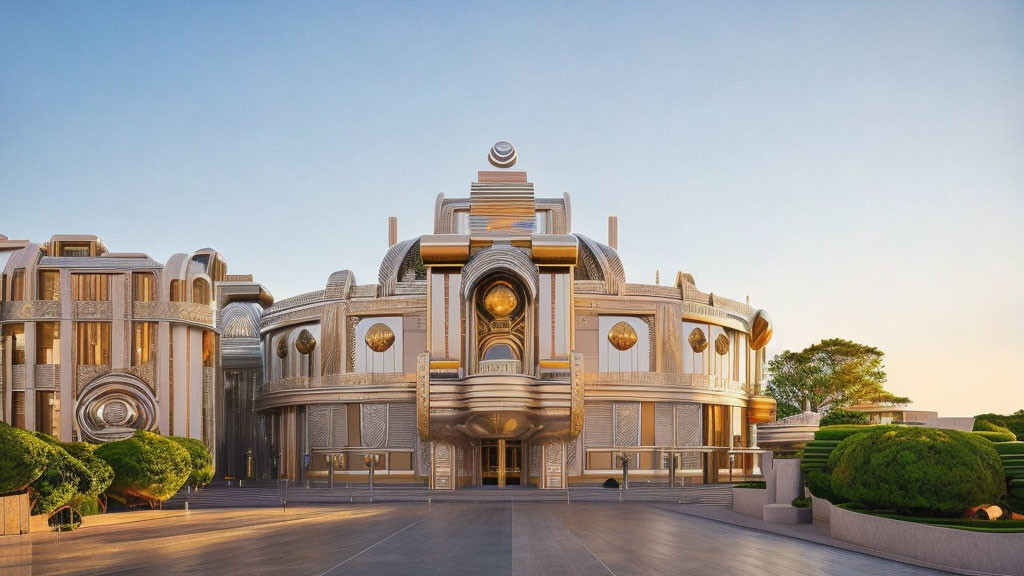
(143, 342)
(48, 343)
(14, 336)
(201, 291)
(18, 409)
(208, 348)
(177, 294)
(18, 285)
(143, 287)
(49, 285)
(92, 345)
(90, 287)
(75, 249)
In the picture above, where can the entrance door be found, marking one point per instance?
(501, 463)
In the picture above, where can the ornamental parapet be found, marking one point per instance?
(29, 310)
(98, 310)
(332, 381)
(184, 312)
(702, 381)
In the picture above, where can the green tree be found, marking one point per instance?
(833, 373)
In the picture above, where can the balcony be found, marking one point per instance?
(184, 312)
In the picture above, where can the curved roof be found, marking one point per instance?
(600, 262)
(240, 320)
(391, 266)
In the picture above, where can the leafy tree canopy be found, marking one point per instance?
(833, 373)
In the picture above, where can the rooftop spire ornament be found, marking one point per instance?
(502, 155)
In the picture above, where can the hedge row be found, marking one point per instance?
(145, 468)
(1011, 454)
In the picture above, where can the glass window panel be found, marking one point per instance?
(18, 285)
(49, 285)
(143, 342)
(48, 343)
(143, 287)
(92, 346)
(90, 287)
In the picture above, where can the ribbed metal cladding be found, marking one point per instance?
(597, 425)
(402, 425)
(505, 209)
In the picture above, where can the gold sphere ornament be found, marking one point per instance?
(722, 344)
(379, 337)
(282, 347)
(500, 301)
(622, 336)
(698, 342)
(305, 342)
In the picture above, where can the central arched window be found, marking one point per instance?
(500, 352)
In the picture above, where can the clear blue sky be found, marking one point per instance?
(857, 169)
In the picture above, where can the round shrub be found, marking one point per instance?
(916, 471)
(201, 459)
(23, 458)
(148, 468)
(843, 417)
(63, 478)
(611, 483)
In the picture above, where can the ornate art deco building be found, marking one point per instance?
(501, 349)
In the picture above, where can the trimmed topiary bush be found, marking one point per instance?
(201, 459)
(148, 468)
(839, 416)
(1006, 448)
(985, 426)
(87, 503)
(993, 436)
(611, 483)
(23, 459)
(838, 432)
(64, 478)
(916, 471)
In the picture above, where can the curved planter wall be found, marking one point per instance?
(749, 501)
(14, 514)
(959, 550)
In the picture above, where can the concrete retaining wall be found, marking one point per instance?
(749, 501)
(14, 514)
(821, 508)
(958, 550)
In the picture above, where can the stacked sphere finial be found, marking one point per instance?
(502, 155)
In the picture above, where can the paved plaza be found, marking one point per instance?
(489, 538)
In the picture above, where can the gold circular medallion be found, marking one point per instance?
(500, 301)
(698, 342)
(305, 342)
(380, 337)
(622, 336)
(722, 344)
(282, 347)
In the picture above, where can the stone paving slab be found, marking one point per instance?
(492, 539)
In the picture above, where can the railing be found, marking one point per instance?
(729, 465)
(701, 381)
(31, 309)
(98, 310)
